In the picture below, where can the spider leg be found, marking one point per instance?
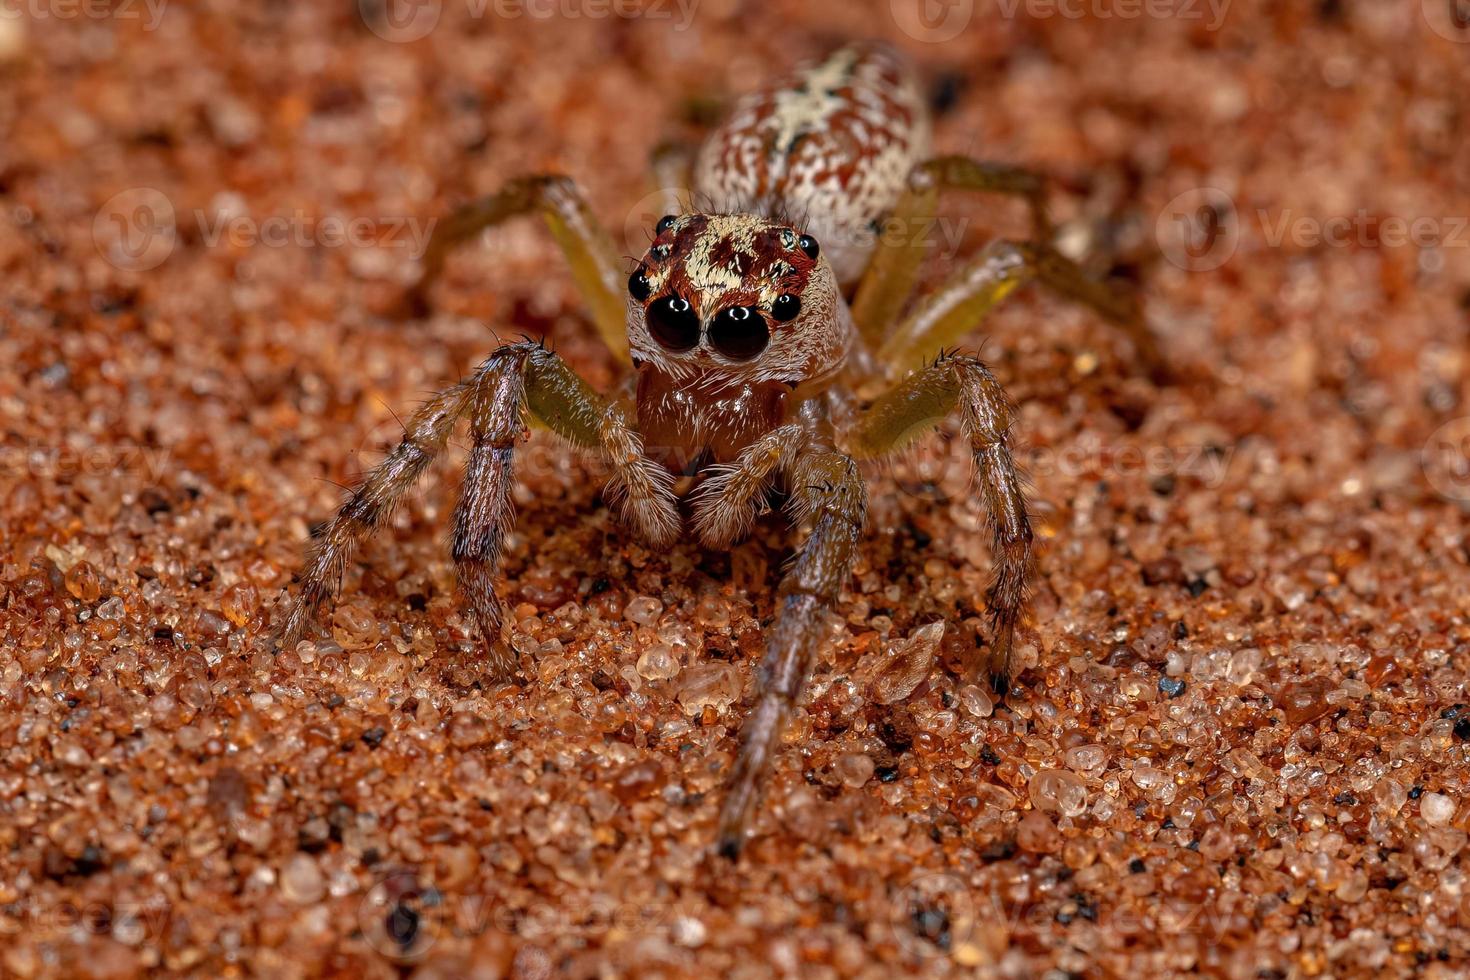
(485, 513)
(727, 501)
(528, 377)
(514, 379)
(826, 488)
(1002, 268)
(946, 315)
(588, 250)
(890, 276)
(916, 405)
(369, 506)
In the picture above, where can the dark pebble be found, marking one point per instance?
(1172, 686)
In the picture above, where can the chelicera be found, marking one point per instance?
(749, 337)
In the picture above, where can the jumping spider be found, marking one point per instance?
(750, 336)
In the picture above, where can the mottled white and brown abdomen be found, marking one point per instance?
(827, 148)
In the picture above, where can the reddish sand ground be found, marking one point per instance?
(1238, 749)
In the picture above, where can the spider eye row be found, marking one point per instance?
(737, 333)
(806, 243)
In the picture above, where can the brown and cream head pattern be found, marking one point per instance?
(736, 295)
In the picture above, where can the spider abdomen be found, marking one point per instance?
(830, 147)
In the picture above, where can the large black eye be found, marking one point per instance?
(786, 306)
(809, 245)
(638, 285)
(664, 224)
(739, 333)
(673, 324)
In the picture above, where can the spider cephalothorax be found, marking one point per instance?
(750, 352)
(737, 295)
(728, 315)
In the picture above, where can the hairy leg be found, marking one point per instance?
(640, 491)
(826, 488)
(588, 250)
(528, 377)
(957, 306)
(369, 507)
(514, 379)
(890, 277)
(727, 501)
(915, 406)
(994, 274)
(484, 513)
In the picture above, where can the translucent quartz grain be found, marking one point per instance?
(82, 582)
(1058, 791)
(643, 610)
(853, 769)
(1437, 809)
(301, 880)
(658, 663)
(714, 685)
(906, 664)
